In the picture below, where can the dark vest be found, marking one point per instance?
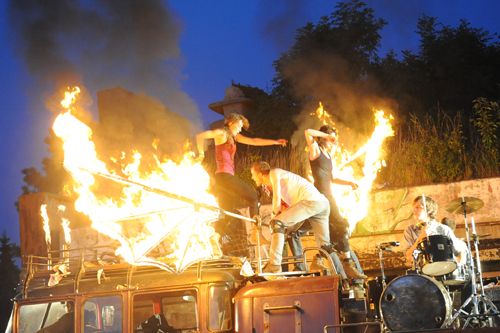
(321, 169)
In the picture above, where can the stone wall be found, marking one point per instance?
(391, 212)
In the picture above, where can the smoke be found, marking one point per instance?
(106, 44)
(280, 20)
(325, 78)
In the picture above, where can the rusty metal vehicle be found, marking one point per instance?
(211, 296)
(87, 288)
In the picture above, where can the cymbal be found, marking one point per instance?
(471, 205)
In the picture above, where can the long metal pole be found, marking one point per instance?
(158, 191)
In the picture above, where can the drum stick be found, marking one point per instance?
(425, 210)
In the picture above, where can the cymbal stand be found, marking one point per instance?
(488, 309)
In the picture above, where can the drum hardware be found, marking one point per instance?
(386, 246)
(483, 308)
(377, 285)
(458, 277)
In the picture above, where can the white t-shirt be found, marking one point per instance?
(294, 188)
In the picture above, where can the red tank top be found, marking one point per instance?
(224, 157)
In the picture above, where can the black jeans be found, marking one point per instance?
(234, 193)
(339, 227)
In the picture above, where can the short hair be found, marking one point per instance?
(328, 129)
(449, 222)
(233, 117)
(261, 167)
(431, 206)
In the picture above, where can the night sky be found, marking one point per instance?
(218, 41)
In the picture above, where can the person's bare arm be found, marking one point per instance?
(312, 145)
(274, 176)
(344, 182)
(210, 134)
(259, 141)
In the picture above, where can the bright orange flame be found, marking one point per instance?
(65, 225)
(354, 205)
(151, 229)
(45, 223)
(323, 115)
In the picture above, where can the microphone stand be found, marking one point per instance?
(381, 260)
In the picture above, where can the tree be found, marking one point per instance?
(453, 66)
(9, 275)
(54, 176)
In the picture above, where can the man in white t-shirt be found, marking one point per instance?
(294, 200)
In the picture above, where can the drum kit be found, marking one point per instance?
(425, 298)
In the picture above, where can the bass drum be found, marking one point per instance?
(415, 302)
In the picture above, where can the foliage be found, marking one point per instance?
(453, 66)
(54, 175)
(9, 275)
(267, 117)
(329, 61)
(486, 122)
(429, 150)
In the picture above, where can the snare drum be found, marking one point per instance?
(415, 302)
(436, 256)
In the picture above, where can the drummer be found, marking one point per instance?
(427, 226)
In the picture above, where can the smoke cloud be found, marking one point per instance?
(279, 21)
(106, 44)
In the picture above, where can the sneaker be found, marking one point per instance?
(271, 268)
(318, 265)
(359, 291)
(351, 270)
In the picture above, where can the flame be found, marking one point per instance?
(45, 222)
(65, 225)
(323, 115)
(151, 229)
(354, 205)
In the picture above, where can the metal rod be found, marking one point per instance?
(169, 195)
(381, 260)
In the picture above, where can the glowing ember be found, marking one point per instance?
(353, 205)
(151, 229)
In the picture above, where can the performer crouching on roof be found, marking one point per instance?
(303, 202)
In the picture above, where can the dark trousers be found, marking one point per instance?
(339, 227)
(234, 193)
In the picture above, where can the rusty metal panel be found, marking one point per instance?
(293, 305)
(297, 316)
(244, 315)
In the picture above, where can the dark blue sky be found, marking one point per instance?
(219, 41)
